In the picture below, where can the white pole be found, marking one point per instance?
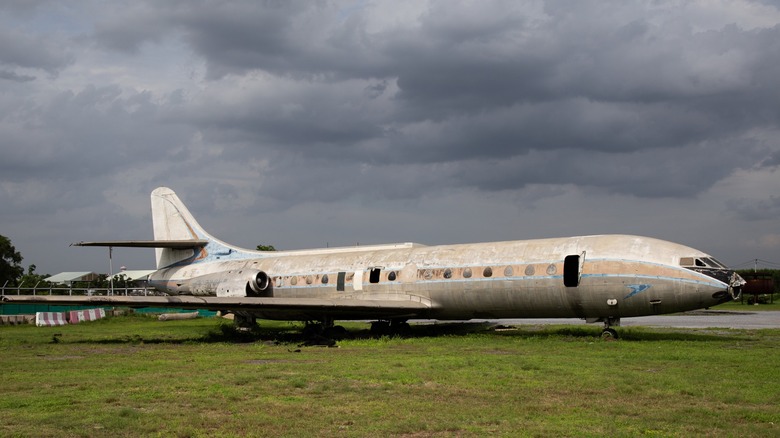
(111, 268)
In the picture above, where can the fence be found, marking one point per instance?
(14, 309)
(89, 291)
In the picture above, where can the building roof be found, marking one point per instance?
(68, 277)
(140, 274)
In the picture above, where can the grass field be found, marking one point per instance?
(133, 375)
(737, 305)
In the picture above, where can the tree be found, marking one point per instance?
(31, 278)
(10, 259)
(266, 248)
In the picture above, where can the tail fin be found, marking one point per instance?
(172, 221)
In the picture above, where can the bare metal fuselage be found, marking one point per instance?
(598, 278)
(609, 276)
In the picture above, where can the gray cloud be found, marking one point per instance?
(19, 49)
(247, 107)
(756, 210)
(497, 88)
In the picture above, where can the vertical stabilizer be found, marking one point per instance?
(172, 221)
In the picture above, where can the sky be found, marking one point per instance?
(306, 124)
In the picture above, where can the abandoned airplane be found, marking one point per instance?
(596, 278)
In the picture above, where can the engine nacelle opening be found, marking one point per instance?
(260, 284)
(235, 283)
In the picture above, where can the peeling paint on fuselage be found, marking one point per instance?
(525, 277)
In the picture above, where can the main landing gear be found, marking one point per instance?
(245, 321)
(390, 328)
(324, 332)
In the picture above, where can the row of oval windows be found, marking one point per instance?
(428, 274)
(487, 272)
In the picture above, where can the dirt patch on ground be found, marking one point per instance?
(67, 357)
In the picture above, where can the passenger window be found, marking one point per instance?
(340, 281)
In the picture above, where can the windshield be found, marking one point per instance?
(701, 262)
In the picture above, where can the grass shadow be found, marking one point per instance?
(624, 334)
(293, 334)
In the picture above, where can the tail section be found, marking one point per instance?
(173, 222)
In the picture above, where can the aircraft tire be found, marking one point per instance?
(609, 334)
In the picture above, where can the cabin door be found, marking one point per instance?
(572, 269)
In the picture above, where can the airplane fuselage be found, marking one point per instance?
(597, 278)
(592, 277)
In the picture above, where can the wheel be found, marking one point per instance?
(312, 330)
(401, 328)
(609, 334)
(336, 332)
(380, 328)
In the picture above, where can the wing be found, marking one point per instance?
(301, 309)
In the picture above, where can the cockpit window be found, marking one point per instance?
(686, 261)
(714, 263)
(703, 262)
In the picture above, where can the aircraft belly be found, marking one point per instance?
(499, 299)
(614, 296)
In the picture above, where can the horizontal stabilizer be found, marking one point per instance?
(173, 244)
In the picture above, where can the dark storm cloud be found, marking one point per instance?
(247, 107)
(756, 210)
(22, 50)
(11, 76)
(773, 160)
(130, 28)
(77, 139)
(476, 86)
(287, 114)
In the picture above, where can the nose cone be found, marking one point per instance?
(735, 285)
(733, 290)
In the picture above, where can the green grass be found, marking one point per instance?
(740, 306)
(137, 376)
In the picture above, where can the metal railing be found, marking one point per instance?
(69, 290)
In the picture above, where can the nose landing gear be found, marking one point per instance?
(610, 334)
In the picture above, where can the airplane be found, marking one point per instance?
(599, 278)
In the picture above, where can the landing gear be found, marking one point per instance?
(324, 332)
(244, 321)
(610, 334)
(389, 328)
(380, 328)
